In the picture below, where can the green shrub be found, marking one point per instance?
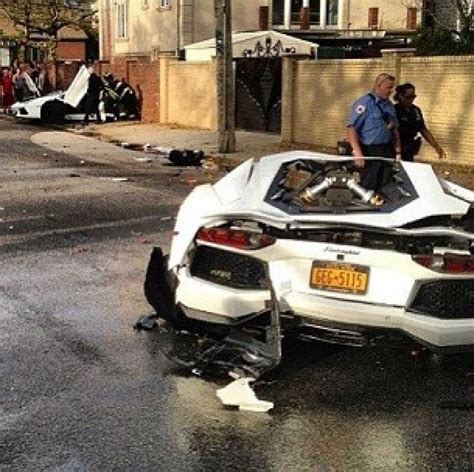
(441, 42)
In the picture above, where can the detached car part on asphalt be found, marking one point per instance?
(58, 107)
(292, 244)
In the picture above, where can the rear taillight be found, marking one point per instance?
(237, 238)
(451, 263)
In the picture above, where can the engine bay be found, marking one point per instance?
(304, 186)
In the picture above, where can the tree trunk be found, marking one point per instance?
(52, 56)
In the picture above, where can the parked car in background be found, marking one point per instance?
(296, 234)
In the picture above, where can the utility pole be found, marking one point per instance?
(224, 77)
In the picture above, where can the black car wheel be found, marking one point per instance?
(53, 112)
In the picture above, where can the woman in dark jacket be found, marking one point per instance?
(412, 124)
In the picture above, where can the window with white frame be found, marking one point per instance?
(165, 3)
(122, 18)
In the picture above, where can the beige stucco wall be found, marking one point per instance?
(392, 13)
(317, 96)
(245, 17)
(188, 94)
(148, 29)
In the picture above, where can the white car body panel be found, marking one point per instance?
(34, 105)
(393, 278)
(78, 88)
(31, 109)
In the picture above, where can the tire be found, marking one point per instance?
(53, 112)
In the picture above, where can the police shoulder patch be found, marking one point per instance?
(360, 109)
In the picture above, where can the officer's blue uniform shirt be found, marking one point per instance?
(367, 117)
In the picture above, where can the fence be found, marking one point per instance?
(188, 93)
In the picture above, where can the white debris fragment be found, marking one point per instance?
(144, 159)
(239, 393)
(163, 150)
(115, 179)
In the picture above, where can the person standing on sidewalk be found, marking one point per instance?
(372, 130)
(412, 124)
(94, 88)
(17, 88)
(7, 83)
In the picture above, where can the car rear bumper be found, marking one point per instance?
(214, 303)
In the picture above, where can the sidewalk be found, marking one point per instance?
(137, 135)
(249, 145)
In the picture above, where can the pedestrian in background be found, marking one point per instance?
(412, 124)
(7, 90)
(41, 78)
(372, 130)
(94, 88)
(24, 85)
(17, 87)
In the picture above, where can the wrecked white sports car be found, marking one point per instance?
(59, 106)
(292, 243)
(118, 101)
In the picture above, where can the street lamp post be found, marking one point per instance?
(224, 77)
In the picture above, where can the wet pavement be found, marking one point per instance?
(81, 390)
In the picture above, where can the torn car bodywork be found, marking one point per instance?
(339, 263)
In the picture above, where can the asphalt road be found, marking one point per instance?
(80, 390)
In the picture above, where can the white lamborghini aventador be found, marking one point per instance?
(56, 106)
(296, 234)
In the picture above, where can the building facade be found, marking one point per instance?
(71, 45)
(388, 15)
(145, 28)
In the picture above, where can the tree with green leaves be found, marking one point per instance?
(46, 17)
(450, 29)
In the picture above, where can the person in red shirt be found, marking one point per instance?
(7, 83)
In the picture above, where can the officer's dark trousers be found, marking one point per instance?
(374, 174)
(92, 106)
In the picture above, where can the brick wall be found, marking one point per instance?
(188, 93)
(317, 96)
(71, 50)
(316, 100)
(59, 77)
(143, 75)
(445, 91)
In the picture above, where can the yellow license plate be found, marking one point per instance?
(339, 277)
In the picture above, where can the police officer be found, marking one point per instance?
(412, 124)
(372, 130)
(94, 88)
